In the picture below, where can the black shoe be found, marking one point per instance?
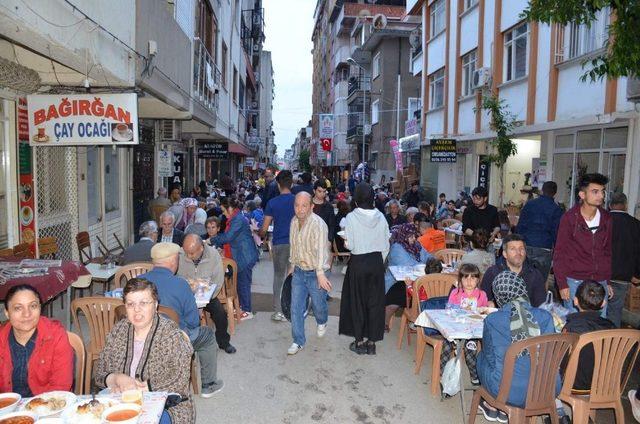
(358, 348)
(371, 348)
(229, 349)
(489, 414)
(563, 419)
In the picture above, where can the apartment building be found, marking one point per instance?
(267, 95)
(565, 127)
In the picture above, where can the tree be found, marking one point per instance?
(621, 58)
(303, 160)
(502, 122)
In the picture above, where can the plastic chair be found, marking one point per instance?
(101, 317)
(48, 247)
(121, 313)
(78, 348)
(449, 256)
(130, 271)
(22, 250)
(6, 252)
(228, 294)
(611, 349)
(545, 355)
(336, 253)
(435, 285)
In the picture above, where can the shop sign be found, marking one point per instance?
(326, 131)
(178, 170)
(463, 150)
(411, 127)
(83, 119)
(443, 150)
(27, 188)
(395, 148)
(165, 163)
(410, 144)
(249, 161)
(483, 172)
(213, 150)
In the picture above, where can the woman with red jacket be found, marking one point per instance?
(35, 354)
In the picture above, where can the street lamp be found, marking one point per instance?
(364, 102)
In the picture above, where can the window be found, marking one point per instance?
(413, 107)
(436, 89)
(584, 38)
(437, 17)
(235, 85)
(515, 52)
(375, 110)
(375, 67)
(468, 4)
(224, 65)
(468, 67)
(242, 106)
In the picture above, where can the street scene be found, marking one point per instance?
(319, 211)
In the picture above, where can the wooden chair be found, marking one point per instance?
(121, 313)
(611, 349)
(101, 316)
(78, 348)
(228, 294)
(130, 271)
(335, 253)
(22, 250)
(449, 256)
(435, 285)
(6, 252)
(47, 247)
(83, 241)
(545, 355)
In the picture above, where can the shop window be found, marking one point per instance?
(615, 138)
(588, 140)
(564, 141)
(562, 175)
(515, 52)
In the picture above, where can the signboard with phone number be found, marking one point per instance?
(443, 150)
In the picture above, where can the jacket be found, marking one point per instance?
(532, 277)
(366, 231)
(209, 267)
(325, 211)
(177, 238)
(164, 364)
(412, 198)
(496, 339)
(138, 252)
(579, 253)
(580, 323)
(238, 235)
(538, 222)
(398, 256)
(398, 220)
(625, 247)
(51, 363)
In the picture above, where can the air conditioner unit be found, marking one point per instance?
(169, 130)
(633, 89)
(481, 78)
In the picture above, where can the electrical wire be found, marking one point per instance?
(48, 21)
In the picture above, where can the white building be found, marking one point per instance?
(267, 94)
(566, 127)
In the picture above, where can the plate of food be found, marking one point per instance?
(49, 403)
(22, 417)
(88, 411)
(9, 402)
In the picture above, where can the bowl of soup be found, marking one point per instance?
(22, 417)
(124, 413)
(9, 402)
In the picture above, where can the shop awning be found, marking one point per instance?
(410, 143)
(239, 149)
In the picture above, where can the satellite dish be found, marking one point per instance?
(415, 38)
(379, 21)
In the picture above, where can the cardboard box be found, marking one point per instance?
(632, 303)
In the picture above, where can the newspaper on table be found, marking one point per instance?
(19, 272)
(40, 263)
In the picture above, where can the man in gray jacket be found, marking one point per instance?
(141, 251)
(198, 260)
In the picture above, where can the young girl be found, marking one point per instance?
(468, 296)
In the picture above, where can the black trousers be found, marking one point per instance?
(219, 317)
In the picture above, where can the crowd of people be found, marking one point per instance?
(592, 250)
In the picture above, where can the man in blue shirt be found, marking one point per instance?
(175, 293)
(538, 225)
(280, 212)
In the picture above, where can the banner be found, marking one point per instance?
(178, 170)
(395, 148)
(26, 187)
(443, 150)
(483, 171)
(213, 150)
(326, 131)
(165, 163)
(83, 119)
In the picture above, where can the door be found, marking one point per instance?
(143, 156)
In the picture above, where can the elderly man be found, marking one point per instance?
(161, 200)
(309, 259)
(141, 251)
(175, 293)
(201, 261)
(170, 234)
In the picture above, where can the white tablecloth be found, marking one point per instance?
(402, 273)
(454, 324)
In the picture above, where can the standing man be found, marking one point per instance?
(198, 260)
(625, 255)
(323, 209)
(170, 234)
(161, 200)
(481, 215)
(309, 258)
(279, 211)
(538, 225)
(141, 251)
(583, 246)
(270, 188)
(414, 195)
(305, 184)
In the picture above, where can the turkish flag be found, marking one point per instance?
(326, 144)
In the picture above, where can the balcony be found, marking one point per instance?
(358, 84)
(206, 76)
(341, 55)
(354, 135)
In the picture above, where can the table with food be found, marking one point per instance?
(203, 290)
(62, 407)
(403, 273)
(455, 323)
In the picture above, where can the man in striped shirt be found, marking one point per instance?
(309, 259)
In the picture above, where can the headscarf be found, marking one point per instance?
(363, 196)
(200, 216)
(186, 217)
(510, 288)
(400, 234)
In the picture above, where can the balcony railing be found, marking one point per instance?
(206, 76)
(359, 84)
(354, 131)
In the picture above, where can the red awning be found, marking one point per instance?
(239, 149)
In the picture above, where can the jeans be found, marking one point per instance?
(541, 259)
(165, 418)
(204, 344)
(303, 284)
(616, 303)
(219, 317)
(280, 268)
(244, 288)
(573, 288)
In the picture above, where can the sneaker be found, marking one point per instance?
(322, 330)
(278, 316)
(475, 382)
(294, 348)
(211, 389)
(229, 349)
(489, 414)
(635, 405)
(502, 417)
(246, 315)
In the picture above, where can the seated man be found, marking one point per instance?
(170, 234)
(175, 293)
(431, 239)
(141, 251)
(198, 260)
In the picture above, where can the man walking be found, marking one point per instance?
(625, 255)
(309, 258)
(481, 215)
(538, 225)
(161, 201)
(280, 212)
(583, 246)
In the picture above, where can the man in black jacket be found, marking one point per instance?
(625, 255)
(322, 208)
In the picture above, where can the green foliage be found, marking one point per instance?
(502, 122)
(621, 57)
(303, 161)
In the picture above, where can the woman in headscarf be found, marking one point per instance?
(190, 205)
(362, 304)
(516, 320)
